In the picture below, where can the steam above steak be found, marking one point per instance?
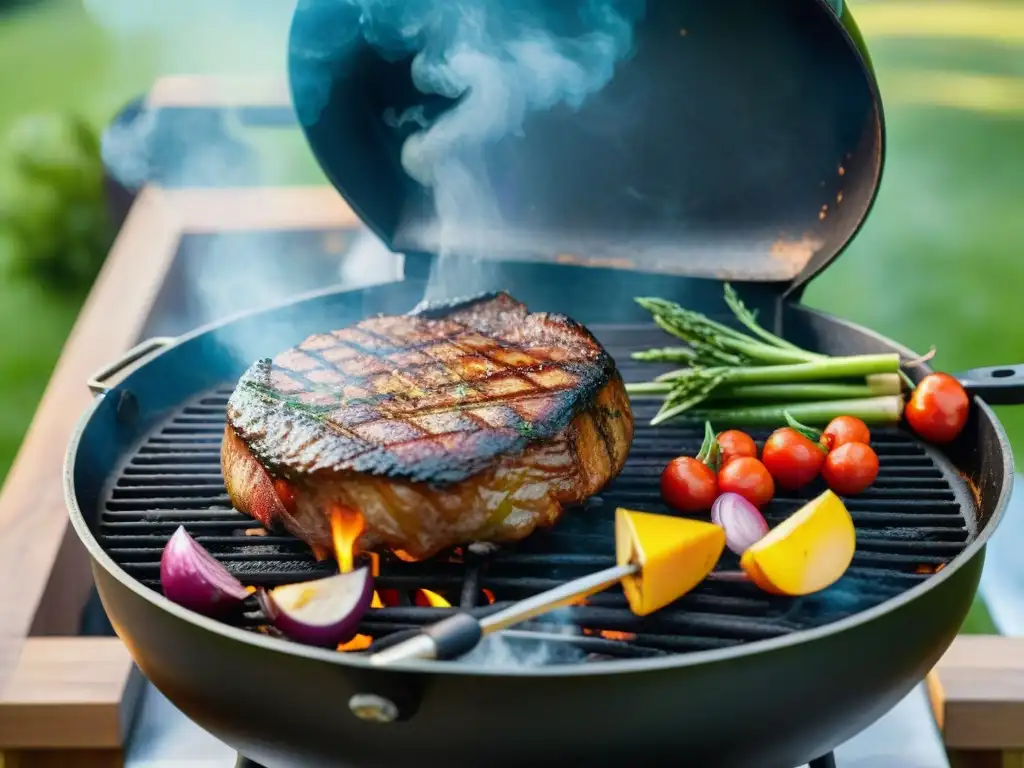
(470, 422)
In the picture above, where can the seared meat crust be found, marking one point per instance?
(474, 421)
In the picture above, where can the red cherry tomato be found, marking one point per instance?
(733, 443)
(793, 459)
(689, 485)
(938, 408)
(850, 468)
(749, 478)
(845, 429)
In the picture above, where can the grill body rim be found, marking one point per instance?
(831, 332)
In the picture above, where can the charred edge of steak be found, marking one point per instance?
(267, 420)
(437, 310)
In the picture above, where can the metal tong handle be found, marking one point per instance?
(457, 635)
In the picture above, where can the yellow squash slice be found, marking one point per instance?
(807, 552)
(675, 555)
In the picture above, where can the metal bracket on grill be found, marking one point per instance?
(386, 700)
(98, 382)
(996, 385)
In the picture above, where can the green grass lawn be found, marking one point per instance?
(937, 263)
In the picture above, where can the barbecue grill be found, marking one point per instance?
(727, 676)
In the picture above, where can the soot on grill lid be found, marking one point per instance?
(736, 139)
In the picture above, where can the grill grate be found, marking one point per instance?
(908, 524)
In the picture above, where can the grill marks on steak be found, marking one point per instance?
(467, 422)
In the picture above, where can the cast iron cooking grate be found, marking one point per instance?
(909, 524)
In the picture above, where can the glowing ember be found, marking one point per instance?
(404, 556)
(489, 595)
(357, 643)
(347, 525)
(427, 599)
(374, 564)
(286, 494)
(611, 634)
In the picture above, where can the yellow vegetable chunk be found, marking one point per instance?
(805, 553)
(675, 554)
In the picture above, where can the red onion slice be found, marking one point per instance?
(324, 612)
(743, 524)
(194, 579)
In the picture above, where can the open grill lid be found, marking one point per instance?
(735, 139)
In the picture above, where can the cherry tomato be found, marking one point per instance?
(793, 459)
(845, 429)
(938, 408)
(734, 444)
(850, 468)
(689, 485)
(749, 478)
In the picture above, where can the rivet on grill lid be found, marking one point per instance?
(376, 709)
(127, 408)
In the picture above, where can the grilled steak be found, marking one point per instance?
(470, 422)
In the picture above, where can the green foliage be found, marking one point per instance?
(52, 208)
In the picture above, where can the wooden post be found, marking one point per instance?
(977, 695)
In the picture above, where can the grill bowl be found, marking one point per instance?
(776, 702)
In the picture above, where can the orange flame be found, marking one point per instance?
(611, 634)
(404, 556)
(357, 643)
(376, 602)
(428, 599)
(347, 525)
(374, 564)
(489, 595)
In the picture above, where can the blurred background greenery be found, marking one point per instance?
(936, 264)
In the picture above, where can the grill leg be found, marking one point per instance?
(825, 761)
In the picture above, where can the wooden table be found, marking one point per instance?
(67, 700)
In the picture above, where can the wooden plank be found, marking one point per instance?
(205, 211)
(218, 92)
(977, 693)
(69, 693)
(57, 758)
(985, 759)
(33, 517)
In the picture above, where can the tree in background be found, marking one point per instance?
(53, 213)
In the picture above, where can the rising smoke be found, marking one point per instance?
(501, 61)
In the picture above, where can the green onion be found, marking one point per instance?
(666, 355)
(871, 410)
(797, 392)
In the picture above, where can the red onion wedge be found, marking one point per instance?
(743, 524)
(193, 578)
(324, 612)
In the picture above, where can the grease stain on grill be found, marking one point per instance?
(910, 521)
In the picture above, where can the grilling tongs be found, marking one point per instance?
(659, 559)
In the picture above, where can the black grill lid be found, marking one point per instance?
(735, 139)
